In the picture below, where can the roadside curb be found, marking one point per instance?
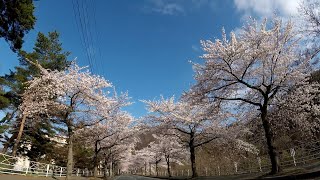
(295, 176)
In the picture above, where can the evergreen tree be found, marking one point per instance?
(49, 53)
(4, 100)
(16, 19)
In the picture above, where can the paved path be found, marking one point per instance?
(134, 178)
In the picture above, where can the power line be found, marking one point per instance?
(88, 33)
(86, 22)
(79, 24)
(81, 30)
(97, 36)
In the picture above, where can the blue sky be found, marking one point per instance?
(141, 46)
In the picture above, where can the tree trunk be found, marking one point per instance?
(157, 168)
(168, 165)
(95, 171)
(105, 167)
(273, 155)
(145, 168)
(70, 155)
(193, 162)
(16, 143)
(9, 142)
(193, 156)
(111, 165)
(95, 160)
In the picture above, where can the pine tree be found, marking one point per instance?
(16, 19)
(49, 53)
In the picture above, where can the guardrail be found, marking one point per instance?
(22, 166)
(304, 155)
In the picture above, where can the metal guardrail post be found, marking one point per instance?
(259, 162)
(293, 153)
(48, 166)
(27, 170)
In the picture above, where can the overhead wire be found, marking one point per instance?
(90, 37)
(81, 30)
(88, 33)
(79, 27)
(97, 37)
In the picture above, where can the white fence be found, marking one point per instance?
(22, 166)
(304, 155)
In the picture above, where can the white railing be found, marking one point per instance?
(22, 166)
(304, 155)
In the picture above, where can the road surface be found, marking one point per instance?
(134, 178)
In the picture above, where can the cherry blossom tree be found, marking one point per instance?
(154, 154)
(309, 9)
(170, 149)
(142, 158)
(193, 125)
(108, 134)
(254, 67)
(310, 28)
(118, 155)
(164, 148)
(302, 103)
(76, 96)
(123, 154)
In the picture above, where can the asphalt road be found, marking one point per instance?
(134, 178)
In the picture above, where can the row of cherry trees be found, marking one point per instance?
(164, 151)
(191, 126)
(81, 103)
(260, 73)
